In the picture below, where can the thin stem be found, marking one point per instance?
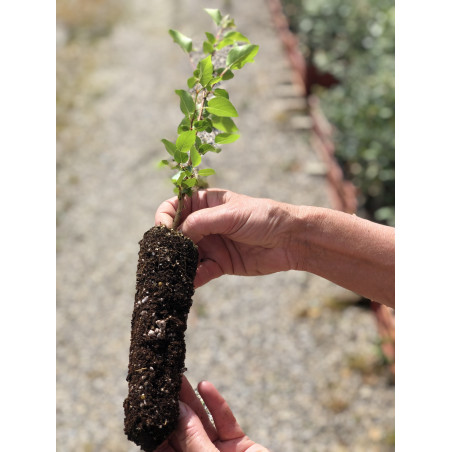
(180, 207)
(202, 105)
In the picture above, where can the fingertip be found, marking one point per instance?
(184, 410)
(204, 384)
(207, 270)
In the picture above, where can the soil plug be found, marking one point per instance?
(166, 270)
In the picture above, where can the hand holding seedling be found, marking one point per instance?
(196, 433)
(240, 235)
(207, 109)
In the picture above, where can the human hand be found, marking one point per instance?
(196, 433)
(235, 234)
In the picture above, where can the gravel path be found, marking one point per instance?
(299, 368)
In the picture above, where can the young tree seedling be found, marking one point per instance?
(207, 109)
(167, 260)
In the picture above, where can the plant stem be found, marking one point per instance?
(180, 207)
(203, 101)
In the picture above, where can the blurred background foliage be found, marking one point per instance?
(353, 40)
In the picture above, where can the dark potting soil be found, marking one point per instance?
(167, 263)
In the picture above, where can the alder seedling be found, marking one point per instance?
(207, 109)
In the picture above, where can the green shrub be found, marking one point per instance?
(354, 41)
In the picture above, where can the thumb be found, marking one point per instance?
(213, 220)
(190, 435)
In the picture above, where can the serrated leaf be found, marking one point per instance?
(223, 138)
(240, 55)
(206, 172)
(184, 41)
(221, 106)
(195, 156)
(170, 147)
(224, 124)
(186, 140)
(215, 14)
(205, 70)
(187, 104)
(221, 93)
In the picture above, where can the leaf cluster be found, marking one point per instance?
(207, 109)
(354, 40)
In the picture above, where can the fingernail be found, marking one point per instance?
(183, 411)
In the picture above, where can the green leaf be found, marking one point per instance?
(215, 14)
(177, 178)
(221, 106)
(206, 147)
(187, 104)
(170, 147)
(191, 82)
(184, 125)
(221, 93)
(223, 138)
(224, 124)
(215, 80)
(186, 140)
(230, 38)
(207, 47)
(163, 163)
(184, 41)
(227, 75)
(206, 172)
(240, 55)
(200, 126)
(188, 183)
(195, 156)
(210, 37)
(236, 36)
(180, 157)
(227, 22)
(205, 70)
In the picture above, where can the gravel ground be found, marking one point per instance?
(297, 361)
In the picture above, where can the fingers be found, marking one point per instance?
(189, 397)
(214, 220)
(225, 422)
(190, 435)
(166, 212)
(207, 270)
(200, 200)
